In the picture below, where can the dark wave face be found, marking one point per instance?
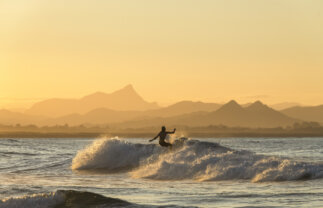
(190, 160)
(64, 199)
(88, 199)
(70, 199)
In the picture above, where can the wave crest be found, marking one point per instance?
(113, 155)
(190, 160)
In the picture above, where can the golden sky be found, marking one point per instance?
(170, 50)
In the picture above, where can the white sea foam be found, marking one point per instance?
(112, 154)
(34, 201)
(192, 160)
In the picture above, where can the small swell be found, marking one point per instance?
(63, 198)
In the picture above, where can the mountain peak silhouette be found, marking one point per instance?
(257, 105)
(232, 104)
(127, 89)
(231, 107)
(258, 102)
(125, 99)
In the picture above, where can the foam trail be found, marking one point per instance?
(206, 162)
(191, 160)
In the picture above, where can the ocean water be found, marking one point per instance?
(125, 172)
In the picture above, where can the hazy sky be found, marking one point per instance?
(170, 50)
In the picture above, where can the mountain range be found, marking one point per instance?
(104, 115)
(126, 108)
(256, 115)
(306, 113)
(124, 99)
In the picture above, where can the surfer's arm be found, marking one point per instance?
(171, 132)
(154, 137)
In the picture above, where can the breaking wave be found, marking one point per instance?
(62, 199)
(190, 160)
(114, 155)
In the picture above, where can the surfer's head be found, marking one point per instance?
(163, 128)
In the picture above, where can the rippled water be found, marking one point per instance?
(229, 172)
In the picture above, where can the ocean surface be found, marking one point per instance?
(125, 172)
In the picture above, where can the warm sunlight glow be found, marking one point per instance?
(161, 103)
(211, 51)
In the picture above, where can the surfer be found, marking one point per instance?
(162, 136)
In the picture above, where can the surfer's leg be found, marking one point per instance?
(165, 144)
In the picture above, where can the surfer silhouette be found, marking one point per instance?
(162, 136)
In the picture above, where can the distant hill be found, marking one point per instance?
(310, 113)
(285, 105)
(255, 115)
(125, 99)
(231, 114)
(12, 118)
(105, 116)
(183, 107)
(94, 117)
